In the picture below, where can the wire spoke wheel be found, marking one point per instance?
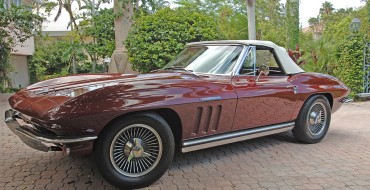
(136, 150)
(317, 118)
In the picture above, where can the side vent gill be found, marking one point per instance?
(206, 119)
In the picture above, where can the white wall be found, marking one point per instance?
(19, 76)
(25, 48)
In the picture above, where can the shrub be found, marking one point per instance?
(155, 39)
(349, 67)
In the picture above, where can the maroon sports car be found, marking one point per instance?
(212, 93)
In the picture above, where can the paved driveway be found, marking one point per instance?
(340, 161)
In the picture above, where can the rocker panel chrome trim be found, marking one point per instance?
(217, 140)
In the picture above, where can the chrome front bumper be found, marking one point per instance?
(36, 139)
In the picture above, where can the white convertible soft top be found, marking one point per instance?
(289, 65)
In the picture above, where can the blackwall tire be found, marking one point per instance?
(313, 120)
(134, 151)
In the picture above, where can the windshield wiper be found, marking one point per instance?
(181, 69)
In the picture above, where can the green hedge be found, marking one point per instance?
(349, 67)
(155, 39)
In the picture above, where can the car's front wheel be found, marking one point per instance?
(135, 151)
(313, 120)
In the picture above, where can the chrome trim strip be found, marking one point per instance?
(211, 98)
(54, 139)
(239, 62)
(217, 140)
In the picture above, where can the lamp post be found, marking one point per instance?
(355, 25)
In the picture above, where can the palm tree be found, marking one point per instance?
(67, 6)
(326, 8)
(122, 24)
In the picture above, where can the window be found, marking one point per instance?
(211, 59)
(248, 67)
(267, 57)
(263, 56)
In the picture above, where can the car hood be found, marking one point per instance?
(41, 97)
(78, 80)
(75, 81)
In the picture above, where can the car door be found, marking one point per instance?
(271, 99)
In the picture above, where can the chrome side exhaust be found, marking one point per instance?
(66, 151)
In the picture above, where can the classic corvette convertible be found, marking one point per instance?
(212, 93)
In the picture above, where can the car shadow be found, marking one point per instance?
(87, 174)
(241, 147)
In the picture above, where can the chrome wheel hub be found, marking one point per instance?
(136, 150)
(317, 118)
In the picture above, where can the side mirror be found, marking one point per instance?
(263, 70)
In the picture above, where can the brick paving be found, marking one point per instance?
(340, 161)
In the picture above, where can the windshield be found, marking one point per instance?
(213, 59)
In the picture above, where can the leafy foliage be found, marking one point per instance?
(17, 24)
(271, 21)
(336, 50)
(296, 55)
(151, 6)
(4, 64)
(319, 55)
(52, 59)
(214, 6)
(154, 40)
(326, 8)
(101, 28)
(292, 23)
(83, 21)
(350, 63)
(230, 15)
(55, 58)
(232, 24)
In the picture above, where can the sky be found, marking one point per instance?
(311, 8)
(308, 9)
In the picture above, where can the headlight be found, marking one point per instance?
(71, 92)
(74, 92)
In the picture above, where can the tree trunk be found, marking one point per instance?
(251, 19)
(122, 24)
(74, 66)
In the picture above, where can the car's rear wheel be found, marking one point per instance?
(135, 151)
(313, 120)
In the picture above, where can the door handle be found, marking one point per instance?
(294, 87)
(291, 86)
(238, 82)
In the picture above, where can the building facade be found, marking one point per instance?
(19, 75)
